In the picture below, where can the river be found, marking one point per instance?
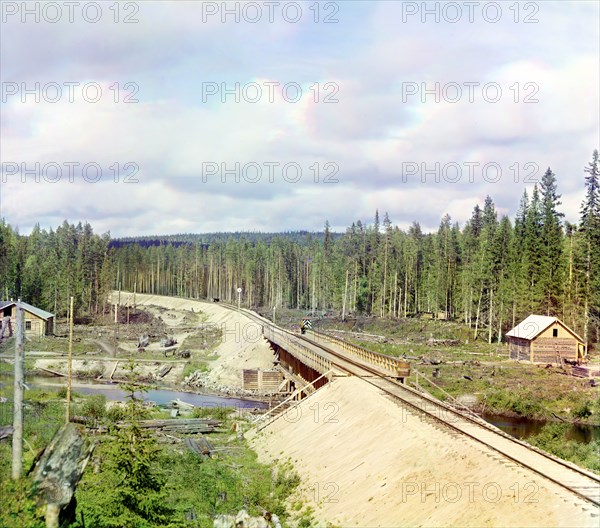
(524, 427)
(158, 396)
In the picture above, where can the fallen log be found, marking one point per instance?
(200, 446)
(164, 371)
(180, 403)
(53, 372)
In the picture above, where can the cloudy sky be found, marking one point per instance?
(211, 116)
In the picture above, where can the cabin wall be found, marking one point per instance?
(555, 344)
(34, 326)
(553, 349)
(519, 349)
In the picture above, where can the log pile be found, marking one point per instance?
(188, 425)
(173, 425)
(583, 371)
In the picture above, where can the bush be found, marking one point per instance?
(19, 506)
(116, 413)
(553, 438)
(94, 407)
(583, 411)
(217, 413)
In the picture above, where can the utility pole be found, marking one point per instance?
(17, 439)
(239, 292)
(70, 362)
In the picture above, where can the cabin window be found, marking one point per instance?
(555, 332)
(27, 325)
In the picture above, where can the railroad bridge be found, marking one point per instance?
(491, 459)
(311, 361)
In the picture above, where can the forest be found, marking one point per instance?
(489, 273)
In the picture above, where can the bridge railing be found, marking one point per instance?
(309, 357)
(396, 366)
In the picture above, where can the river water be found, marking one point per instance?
(523, 428)
(158, 396)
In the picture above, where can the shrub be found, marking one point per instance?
(218, 413)
(583, 411)
(116, 413)
(94, 407)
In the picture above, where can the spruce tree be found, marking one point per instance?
(551, 263)
(590, 228)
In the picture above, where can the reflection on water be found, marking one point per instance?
(523, 428)
(159, 396)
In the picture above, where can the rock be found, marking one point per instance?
(242, 518)
(167, 342)
(143, 341)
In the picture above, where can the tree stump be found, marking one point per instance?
(59, 470)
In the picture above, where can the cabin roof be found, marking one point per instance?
(533, 325)
(42, 314)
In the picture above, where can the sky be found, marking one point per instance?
(150, 117)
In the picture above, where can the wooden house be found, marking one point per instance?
(544, 339)
(38, 322)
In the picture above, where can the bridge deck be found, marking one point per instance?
(311, 354)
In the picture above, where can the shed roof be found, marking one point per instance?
(42, 314)
(533, 325)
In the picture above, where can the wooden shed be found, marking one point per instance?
(38, 322)
(544, 339)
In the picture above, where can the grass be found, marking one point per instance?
(194, 365)
(204, 340)
(513, 389)
(553, 438)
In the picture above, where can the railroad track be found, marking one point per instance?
(567, 475)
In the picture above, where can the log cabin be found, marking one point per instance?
(544, 339)
(38, 322)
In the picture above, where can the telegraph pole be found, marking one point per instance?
(17, 439)
(70, 362)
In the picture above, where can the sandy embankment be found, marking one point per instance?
(242, 345)
(366, 462)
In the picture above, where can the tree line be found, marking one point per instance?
(490, 273)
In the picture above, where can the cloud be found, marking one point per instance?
(373, 137)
